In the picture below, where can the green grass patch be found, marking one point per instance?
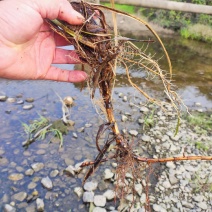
(197, 32)
(201, 120)
(122, 7)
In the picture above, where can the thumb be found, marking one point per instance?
(60, 9)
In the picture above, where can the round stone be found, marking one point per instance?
(99, 200)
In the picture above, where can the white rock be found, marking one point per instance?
(40, 204)
(99, 200)
(144, 109)
(88, 196)
(133, 132)
(145, 138)
(21, 196)
(9, 208)
(75, 135)
(37, 166)
(78, 191)
(70, 170)
(90, 186)
(125, 99)
(28, 106)
(166, 184)
(98, 209)
(138, 188)
(202, 205)
(109, 194)
(47, 183)
(124, 118)
(143, 199)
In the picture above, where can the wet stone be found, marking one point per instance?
(37, 166)
(88, 196)
(99, 200)
(3, 98)
(47, 183)
(29, 100)
(11, 100)
(54, 173)
(9, 208)
(21, 196)
(90, 186)
(41, 152)
(75, 135)
(32, 185)
(78, 191)
(70, 170)
(28, 107)
(39, 204)
(20, 102)
(3, 161)
(16, 177)
(29, 172)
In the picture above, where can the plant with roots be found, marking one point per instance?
(103, 50)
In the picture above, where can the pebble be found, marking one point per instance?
(3, 98)
(138, 188)
(144, 109)
(9, 208)
(98, 209)
(16, 177)
(109, 194)
(20, 102)
(37, 166)
(39, 204)
(143, 199)
(28, 107)
(99, 200)
(21, 196)
(124, 118)
(124, 99)
(11, 100)
(78, 191)
(54, 173)
(145, 138)
(32, 185)
(108, 174)
(90, 186)
(29, 100)
(68, 100)
(75, 135)
(47, 183)
(29, 172)
(70, 170)
(88, 196)
(133, 132)
(202, 205)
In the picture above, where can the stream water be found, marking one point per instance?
(192, 67)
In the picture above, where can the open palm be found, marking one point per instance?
(28, 45)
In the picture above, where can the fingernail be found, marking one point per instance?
(81, 18)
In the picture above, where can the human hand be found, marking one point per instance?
(28, 45)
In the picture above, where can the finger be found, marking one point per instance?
(63, 56)
(61, 41)
(61, 9)
(58, 74)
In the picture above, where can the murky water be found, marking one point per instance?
(192, 66)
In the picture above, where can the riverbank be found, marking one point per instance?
(44, 174)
